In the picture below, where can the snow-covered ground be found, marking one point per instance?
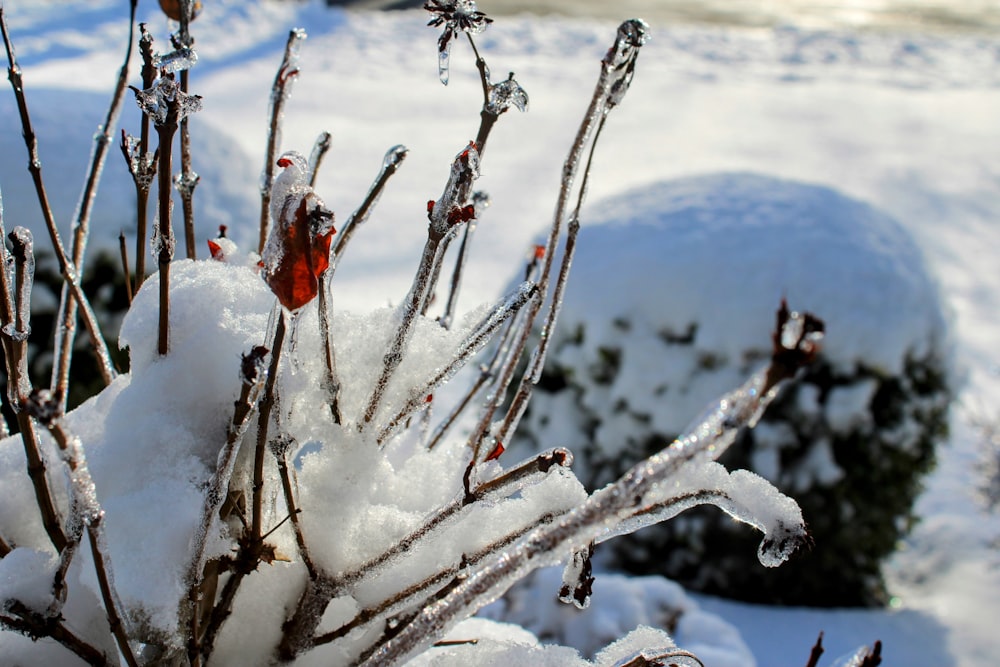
(903, 121)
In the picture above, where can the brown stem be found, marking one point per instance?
(165, 132)
(319, 151)
(111, 603)
(147, 170)
(15, 349)
(816, 652)
(123, 251)
(214, 498)
(73, 457)
(187, 180)
(40, 483)
(411, 309)
(68, 308)
(263, 422)
(286, 73)
(66, 268)
(293, 513)
(390, 164)
(19, 618)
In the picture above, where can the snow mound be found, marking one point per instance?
(717, 254)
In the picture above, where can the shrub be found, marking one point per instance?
(669, 281)
(265, 483)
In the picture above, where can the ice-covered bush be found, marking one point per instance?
(278, 480)
(669, 282)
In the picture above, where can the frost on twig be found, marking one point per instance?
(796, 338)
(280, 91)
(445, 215)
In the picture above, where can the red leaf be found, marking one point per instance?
(497, 451)
(216, 250)
(295, 278)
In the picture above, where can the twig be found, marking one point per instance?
(263, 421)
(88, 511)
(817, 651)
(142, 165)
(19, 386)
(252, 548)
(319, 151)
(66, 333)
(187, 180)
(444, 216)
(489, 370)
(66, 268)
(617, 67)
(537, 363)
(165, 251)
(476, 340)
(34, 625)
(279, 93)
(480, 201)
(280, 451)
(253, 377)
(123, 251)
(390, 164)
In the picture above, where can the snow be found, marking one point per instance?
(899, 121)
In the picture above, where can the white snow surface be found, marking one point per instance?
(900, 121)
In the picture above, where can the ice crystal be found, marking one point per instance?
(506, 94)
(166, 102)
(175, 61)
(621, 58)
(456, 16)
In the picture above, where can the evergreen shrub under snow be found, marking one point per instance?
(669, 280)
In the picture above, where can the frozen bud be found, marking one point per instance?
(797, 340)
(222, 249)
(253, 365)
(507, 94)
(41, 405)
(621, 57)
(165, 102)
(395, 156)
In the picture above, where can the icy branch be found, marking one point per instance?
(280, 91)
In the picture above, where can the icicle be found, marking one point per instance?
(578, 579)
(444, 58)
(456, 16)
(743, 495)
